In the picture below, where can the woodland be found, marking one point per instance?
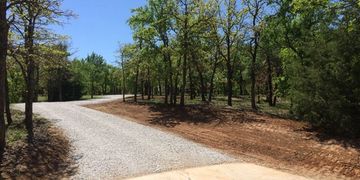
(305, 53)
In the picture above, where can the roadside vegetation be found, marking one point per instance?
(295, 59)
(300, 52)
(48, 157)
(35, 64)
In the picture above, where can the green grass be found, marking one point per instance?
(244, 102)
(42, 99)
(88, 97)
(16, 131)
(85, 97)
(281, 109)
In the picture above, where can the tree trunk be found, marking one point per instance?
(229, 68)
(171, 84)
(258, 95)
(166, 91)
(148, 83)
(136, 84)
(183, 85)
(270, 83)
(7, 101)
(30, 80)
(123, 77)
(254, 49)
(186, 47)
(92, 89)
(176, 82)
(191, 82)
(211, 85)
(36, 88)
(160, 88)
(212, 77)
(252, 74)
(168, 79)
(241, 84)
(253, 86)
(229, 87)
(4, 30)
(60, 85)
(29, 102)
(202, 83)
(176, 88)
(142, 90)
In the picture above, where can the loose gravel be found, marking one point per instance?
(107, 146)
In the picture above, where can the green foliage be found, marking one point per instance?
(300, 50)
(16, 131)
(321, 68)
(94, 76)
(16, 84)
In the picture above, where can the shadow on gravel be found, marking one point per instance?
(49, 157)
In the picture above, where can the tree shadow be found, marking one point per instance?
(48, 157)
(327, 138)
(173, 115)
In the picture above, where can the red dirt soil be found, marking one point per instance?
(257, 138)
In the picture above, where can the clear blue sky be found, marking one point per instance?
(100, 26)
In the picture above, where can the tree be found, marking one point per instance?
(59, 80)
(299, 50)
(256, 12)
(270, 43)
(95, 66)
(31, 19)
(320, 61)
(4, 29)
(191, 17)
(160, 12)
(123, 52)
(5, 23)
(231, 24)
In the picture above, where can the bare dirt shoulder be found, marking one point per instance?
(261, 139)
(48, 157)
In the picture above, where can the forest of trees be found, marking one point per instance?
(305, 51)
(35, 62)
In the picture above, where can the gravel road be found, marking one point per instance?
(107, 146)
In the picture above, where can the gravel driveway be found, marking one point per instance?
(107, 146)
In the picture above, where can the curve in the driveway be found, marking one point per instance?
(109, 146)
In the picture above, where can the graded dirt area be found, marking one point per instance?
(257, 138)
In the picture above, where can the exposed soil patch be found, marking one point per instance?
(48, 157)
(261, 139)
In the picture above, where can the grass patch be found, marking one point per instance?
(88, 97)
(42, 99)
(16, 131)
(243, 102)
